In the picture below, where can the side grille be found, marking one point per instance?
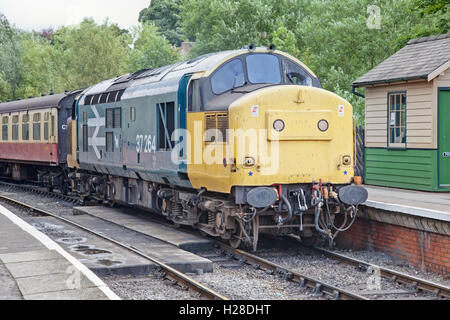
(215, 123)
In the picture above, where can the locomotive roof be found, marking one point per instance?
(135, 84)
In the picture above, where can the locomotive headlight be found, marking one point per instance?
(279, 125)
(323, 125)
(249, 162)
(346, 160)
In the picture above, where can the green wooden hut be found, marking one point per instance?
(407, 117)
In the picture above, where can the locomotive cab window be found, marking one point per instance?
(296, 74)
(229, 76)
(194, 99)
(263, 68)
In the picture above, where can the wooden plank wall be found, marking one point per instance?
(421, 117)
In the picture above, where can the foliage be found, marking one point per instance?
(229, 24)
(151, 49)
(10, 60)
(89, 53)
(165, 14)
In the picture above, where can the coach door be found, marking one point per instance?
(444, 137)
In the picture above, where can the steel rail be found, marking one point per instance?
(171, 273)
(39, 190)
(319, 287)
(402, 278)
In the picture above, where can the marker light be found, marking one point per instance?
(278, 125)
(323, 125)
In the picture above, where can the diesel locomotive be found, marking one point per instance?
(233, 143)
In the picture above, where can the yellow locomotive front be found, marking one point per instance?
(284, 154)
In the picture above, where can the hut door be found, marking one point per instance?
(444, 138)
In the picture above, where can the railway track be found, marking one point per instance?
(317, 286)
(41, 191)
(402, 278)
(174, 275)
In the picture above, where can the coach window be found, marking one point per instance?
(230, 76)
(5, 128)
(52, 126)
(37, 127)
(15, 128)
(46, 117)
(25, 127)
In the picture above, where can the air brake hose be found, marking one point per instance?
(289, 208)
(316, 221)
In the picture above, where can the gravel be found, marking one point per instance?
(339, 274)
(386, 261)
(151, 287)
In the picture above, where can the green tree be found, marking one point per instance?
(230, 24)
(39, 75)
(11, 66)
(89, 53)
(151, 49)
(165, 14)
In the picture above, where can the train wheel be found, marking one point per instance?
(236, 236)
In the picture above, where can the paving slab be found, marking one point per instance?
(82, 294)
(38, 268)
(127, 218)
(433, 205)
(32, 266)
(27, 256)
(53, 282)
(8, 286)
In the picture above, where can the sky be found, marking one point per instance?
(42, 14)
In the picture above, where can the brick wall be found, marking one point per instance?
(426, 250)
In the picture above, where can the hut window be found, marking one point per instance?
(397, 119)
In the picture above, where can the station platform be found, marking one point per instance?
(433, 205)
(34, 267)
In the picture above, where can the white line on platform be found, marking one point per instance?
(423, 212)
(51, 245)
